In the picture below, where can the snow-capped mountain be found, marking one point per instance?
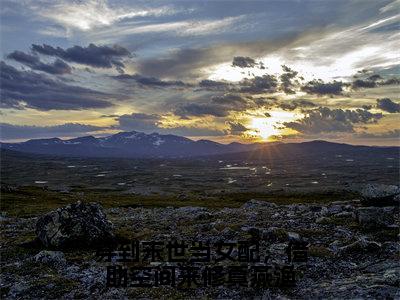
(127, 144)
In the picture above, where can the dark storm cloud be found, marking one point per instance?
(43, 93)
(359, 83)
(391, 134)
(191, 62)
(202, 109)
(236, 128)
(388, 105)
(139, 121)
(296, 104)
(324, 119)
(373, 81)
(266, 102)
(243, 62)
(321, 88)
(179, 63)
(151, 123)
(58, 67)
(259, 84)
(390, 81)
(214, 85)
(287, 80)
(150, 81)
(218, 106)
(10, 131)
(235, 101)
(92, 55)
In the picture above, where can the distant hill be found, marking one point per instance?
(137, 145)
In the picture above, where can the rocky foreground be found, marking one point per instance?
(353, 247)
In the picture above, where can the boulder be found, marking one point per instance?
(380, 195)
(55, 258)
(335, 209)
(75, 224)
(274, 234)
(375, 217)
(360, 246)
(254, 232)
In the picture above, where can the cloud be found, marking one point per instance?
(214, 85)
(92, 55)
(287, 80)
(192, 131)
(91, 14)
(388, 105)
(203, 109)
(193, 63)
(321, 88)
(150, 81)
(21, 89)
(373, 81)
(325, 120)
(259, 84)
(153, 123)
(217, 106)
(391, 134)
(10, 131)
(58, 67)
(296, 104)
(236, 128)
(243, 62)
(208, 27)
(139, 121)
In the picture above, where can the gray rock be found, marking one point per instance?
(254, 232)
(392, 277)
(380, 195)
(391, 247)
(360, 246)
(322, 220)
(77, 223)
(252, 204)
(18, 289)
(344, 214)
(274, 234)
(334, 246)
(375, 217)
(334, 209)
(293, 236)
(55, 258)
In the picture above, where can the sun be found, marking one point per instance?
(264, 127)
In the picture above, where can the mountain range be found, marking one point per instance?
(138, 144)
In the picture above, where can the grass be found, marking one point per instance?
(320, 251)
(34, 201)
(47, 283)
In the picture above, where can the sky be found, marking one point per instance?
(244, 71)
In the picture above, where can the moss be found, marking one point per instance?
(340, 221)
(281, 234)
(16, 253)
(4, 291)
(51, 287)
(126, 233)
(320, 251)
(312, 232)
(24, 202)
(158, 293)
(382, 235)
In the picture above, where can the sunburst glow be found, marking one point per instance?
(267, 127)
(263, 127)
